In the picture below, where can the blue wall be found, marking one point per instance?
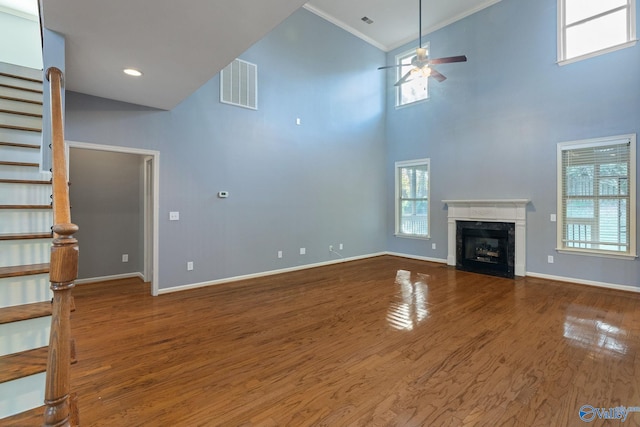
(491, 129)
(318, 184)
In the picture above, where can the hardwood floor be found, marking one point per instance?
(384, 341)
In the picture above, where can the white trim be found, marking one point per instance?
(156, 192)
(19, 13)
(489, 210)
(584, 282)
(345, 27)
(264, 274)
(590, 143)
(374, 255)
(445, 23)
(621, 46)
(561, 34)
(396, 203)
(106, 278)
(417, 257)
(397, 44)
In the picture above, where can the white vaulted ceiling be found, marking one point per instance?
(179, 45)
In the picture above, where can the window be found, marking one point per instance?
(414, 90)
(590, 27)
(597, 196)
(412, 198)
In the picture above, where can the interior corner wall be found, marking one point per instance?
(290, 186)
(106, 195)
(491, 129)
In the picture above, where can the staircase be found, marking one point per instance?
(25, 245)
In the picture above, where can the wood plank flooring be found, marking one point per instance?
(383, 341)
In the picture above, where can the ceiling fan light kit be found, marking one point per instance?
(422, 65)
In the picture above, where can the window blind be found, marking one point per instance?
(596, 195)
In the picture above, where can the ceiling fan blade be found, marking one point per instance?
(436, 75)
(404, 78)
(448, 60)
(391, 66)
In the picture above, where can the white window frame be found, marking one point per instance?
(407, 56)
(562, 29)
(632, 190)
(398, 199)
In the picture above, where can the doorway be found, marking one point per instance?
(124, 177)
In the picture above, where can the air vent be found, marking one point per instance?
(239, 84)
(367, 19)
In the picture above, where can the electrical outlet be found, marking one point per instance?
(189, 265)
(125, 257)
(174, 216)
(552, 217)
(303, 251)
(330, 248)
(279, 254)
(341, 246)
(550, 259)
(433, 246)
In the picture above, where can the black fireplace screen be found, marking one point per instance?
(486, 247)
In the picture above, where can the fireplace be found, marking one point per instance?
(486, 247)
(510, 213)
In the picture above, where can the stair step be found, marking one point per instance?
(17, 144)
(18, 313)
(7, 86)
(20, 113)
(25, 236)
(25, 207)
(20, 119)
(16, 221)
(32, 417)
(25, 363)
(25, 164)
(25, 251)
(18, 93)
(29, 362)
(35, 310)
(17, 76)
(25, 181)
(14, 98)
(23, 270)
(22, 128)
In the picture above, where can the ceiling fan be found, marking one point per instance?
(422, 65)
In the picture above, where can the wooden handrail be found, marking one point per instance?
(60, 406)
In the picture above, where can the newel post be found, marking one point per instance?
(63, 271)
(60, 405)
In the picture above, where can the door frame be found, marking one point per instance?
(151, 182)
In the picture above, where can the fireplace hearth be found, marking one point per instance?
(486, 247)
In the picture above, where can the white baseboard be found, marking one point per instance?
(342, 260)
(417, 257)
(105, 278)
(627, 288)
(263, 274)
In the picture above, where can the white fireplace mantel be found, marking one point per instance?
(501, 210)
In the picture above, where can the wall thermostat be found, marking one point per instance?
(223, 194)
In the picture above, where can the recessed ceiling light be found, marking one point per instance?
(132, 72)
